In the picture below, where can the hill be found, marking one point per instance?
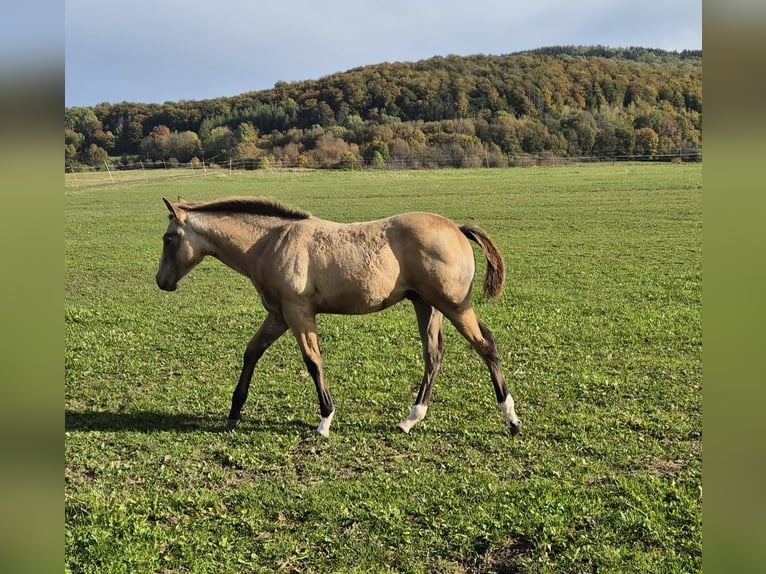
(454, 110)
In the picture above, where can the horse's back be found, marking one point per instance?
(363, 267)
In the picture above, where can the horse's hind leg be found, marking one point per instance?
(483, 342)
(272, 328)
(430, 325)
(303, 325)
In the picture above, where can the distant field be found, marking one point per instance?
(599, 328)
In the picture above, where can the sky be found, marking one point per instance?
(156, 51)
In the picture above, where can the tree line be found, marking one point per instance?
(469, 111)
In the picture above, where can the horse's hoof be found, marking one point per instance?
(324, 425)
(402, 429)
(515, 428)
(232, 424)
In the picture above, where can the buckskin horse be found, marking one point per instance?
(302, 265)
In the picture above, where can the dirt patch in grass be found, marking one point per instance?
(502, 559)
(667, 467)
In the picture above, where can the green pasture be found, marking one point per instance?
(599, 328)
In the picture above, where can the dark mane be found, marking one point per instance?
(252, 205)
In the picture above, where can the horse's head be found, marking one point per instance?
(181, 249)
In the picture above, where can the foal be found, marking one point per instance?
(301, 266)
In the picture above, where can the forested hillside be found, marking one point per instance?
(590, 102)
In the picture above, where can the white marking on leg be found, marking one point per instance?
(417, 414)
(324, 424)
(507, 408)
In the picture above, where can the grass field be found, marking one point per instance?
(599, 328)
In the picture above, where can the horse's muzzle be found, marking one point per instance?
(166, 285)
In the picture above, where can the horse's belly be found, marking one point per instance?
(354, 273)
(355, 297)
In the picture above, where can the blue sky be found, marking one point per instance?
(154, 51)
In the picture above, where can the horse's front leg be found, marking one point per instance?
(272, 328)
(303, 325)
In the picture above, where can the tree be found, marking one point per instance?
(219, 143)
(349, 161)
(625, 140)
(82, 120)
(95, 156)
(73, 142)
(156, 145)
(533, 135)
(376, 152)
(647, 142)
(575, 100)
(84, 133)
(502, 132)
(616, 136)
(377, 161)
(184, 146)
(246, 133)
(579, 128)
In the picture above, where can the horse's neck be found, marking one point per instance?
(229, 239)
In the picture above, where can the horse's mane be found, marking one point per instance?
(266, 206)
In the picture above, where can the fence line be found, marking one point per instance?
(146, 171)
(426, 160)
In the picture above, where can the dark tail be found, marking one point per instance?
(495, 279)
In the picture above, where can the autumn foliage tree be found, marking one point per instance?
(458, 111)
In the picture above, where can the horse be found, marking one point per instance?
(302, 265)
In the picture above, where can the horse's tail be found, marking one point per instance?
(495, 278)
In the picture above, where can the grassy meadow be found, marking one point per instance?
(599, 328)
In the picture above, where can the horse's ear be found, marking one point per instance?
(170, 208)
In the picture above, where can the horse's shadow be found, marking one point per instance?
(139, 421)
(157, 421)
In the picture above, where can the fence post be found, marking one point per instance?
(106, 165)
